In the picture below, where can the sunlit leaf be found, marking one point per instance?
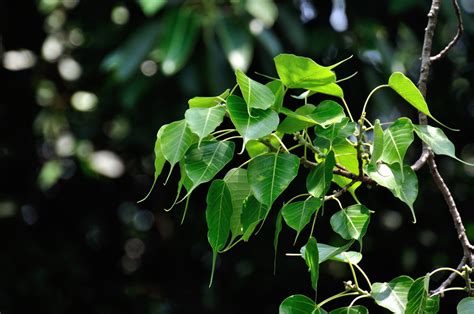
(203, 162)
(218, 213)
(253, 213)
(358, 309)
(392, 295)
(465, 306)
(239, 189)
(176, 138)
(151, 7)
(183, 24)
(298, 214)
(278, 90)
(328, 252)
(260, 124)
(270, 174)
(346, 155)
(402, 185)
(327, 112)
(256, 95)
(236, 42)
(207, 102)
(336, 131)
(405, 88)
(297, 304)
(319, 179)
(397, 138)
(311, 256)
(438, 141)
(203, 121)
(331, 89)
(419, 301)
(302, 72)
(256, 147)
(298, 120)
(351, 222)
(378, 144)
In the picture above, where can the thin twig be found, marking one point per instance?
(458, 35)
(449, 280)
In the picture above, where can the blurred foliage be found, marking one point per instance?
(89, 83)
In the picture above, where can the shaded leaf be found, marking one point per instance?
(378, 144)
(302, 72)
(392, 295)
(278, 90)
(438, 141)
(218, 213)
(327, 112)
(405, 88)
(358, 309)
(207, 102)
(319, 179)
(255, 147)
(298, 120)
(297, 304)
(336, 131)
(270, 174)
(351, 222)
(183, 24)
(160, 161)
(260, 124)
(278, 227)
(419, 301)
(397, 138)
(176, 139)
(256, 95)
(328, 252)
(203, 121)
(253, 213)
(239, 188)
(298, 214)
(311, 256)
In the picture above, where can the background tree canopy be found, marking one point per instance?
(88, 84)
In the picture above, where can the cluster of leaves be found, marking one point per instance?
(332, 146)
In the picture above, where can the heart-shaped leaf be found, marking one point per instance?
(256, 95)
(218, 213)
(327, 113)
(465, 306)
(270, 174)
(301, 72)
(351, 222)
(438, 141)
(298, 214)
(176, 139)
(418, 300)
(397, 138)
(297, 304)
(405, 88)
(260, 124)
(392, 295)
(203, 121)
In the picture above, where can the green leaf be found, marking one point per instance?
(278, 227)
(253, 213)
(298, 214)
(358, 309)
(298, 120)
(438, 141)
(239, 188)
(218, 213)
(264, 10)
(207, 102)
(328, 252)
(378, 144)
(327, 113)
(392, 295)
(182, 24)
(465, 306)
(311, 256)
(319, 179)
(346, 257)
(151, 7)
(236, 42)
(176, 138)
(256, 95)
(346, 155)
(336, 131)
(203, 162)
(278, 90)
(301, 72)
(203, 121)
(419, 301)
(270, 174)
(297, 304)
(397, 138)
(255, 147)
(160, 161)
(331, 89)
(403, 185)
(405, 88)
(351, 222)
(260, 124)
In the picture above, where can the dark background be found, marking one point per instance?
(73, 238)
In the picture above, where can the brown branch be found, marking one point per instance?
(458, 35)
